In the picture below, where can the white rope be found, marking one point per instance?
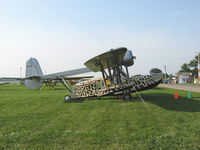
(142, 99)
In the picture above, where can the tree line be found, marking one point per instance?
(191, 67)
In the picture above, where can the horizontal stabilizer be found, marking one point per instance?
(10, 79)
(4, 83)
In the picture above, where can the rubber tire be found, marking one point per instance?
(127, 96)
(67, 98)
(119, 96)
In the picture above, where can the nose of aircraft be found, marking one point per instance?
(128, 59)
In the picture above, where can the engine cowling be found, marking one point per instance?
(128, 59)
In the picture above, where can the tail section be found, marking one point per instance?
(33, 74)
(33, 68)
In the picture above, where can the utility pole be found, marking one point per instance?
(198, 65)
(165, 68)
(20, 72)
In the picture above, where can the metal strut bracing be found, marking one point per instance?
(65, 84)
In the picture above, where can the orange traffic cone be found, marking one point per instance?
(176, 95)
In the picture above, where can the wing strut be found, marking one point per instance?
(109, 71)
(65, 84)
(127, 71)
(103, 73)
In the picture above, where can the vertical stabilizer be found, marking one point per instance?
(33, 74)
(33, 68)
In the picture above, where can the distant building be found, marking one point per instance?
(174, 80)
(196, 80)
(184, 77)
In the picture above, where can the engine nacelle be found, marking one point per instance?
(33, 84)
(128, 59)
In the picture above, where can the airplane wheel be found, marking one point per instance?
(67, 97)
(127, 97)
(119, 96)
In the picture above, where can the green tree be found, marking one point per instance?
(191, 67)
(170, 76)
(185, 68)
(194, 66)
(194, 63)
(155, 70)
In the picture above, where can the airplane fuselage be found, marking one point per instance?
(97, 87)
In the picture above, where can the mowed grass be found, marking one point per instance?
(41, 120)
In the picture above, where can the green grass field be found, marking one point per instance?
(40, 120)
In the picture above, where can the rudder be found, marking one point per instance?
(33, 74)
(33, 68)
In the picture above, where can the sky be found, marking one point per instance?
(63, 34)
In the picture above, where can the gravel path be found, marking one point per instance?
(192, 88)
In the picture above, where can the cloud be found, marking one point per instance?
(177, 13)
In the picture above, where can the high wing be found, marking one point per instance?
(34, 76)
(67, 75)
(112, 58)
(111, 64)
(58, 75)
(77, 78)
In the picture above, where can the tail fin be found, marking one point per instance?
(33, 68)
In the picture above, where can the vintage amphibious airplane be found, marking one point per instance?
(114, 81)
(34, 76)
(2, 83)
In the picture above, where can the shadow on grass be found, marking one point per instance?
(163, 100)
(168, 102)
(59, 88)
(159, 88)
(90, 99)
(74, 101)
